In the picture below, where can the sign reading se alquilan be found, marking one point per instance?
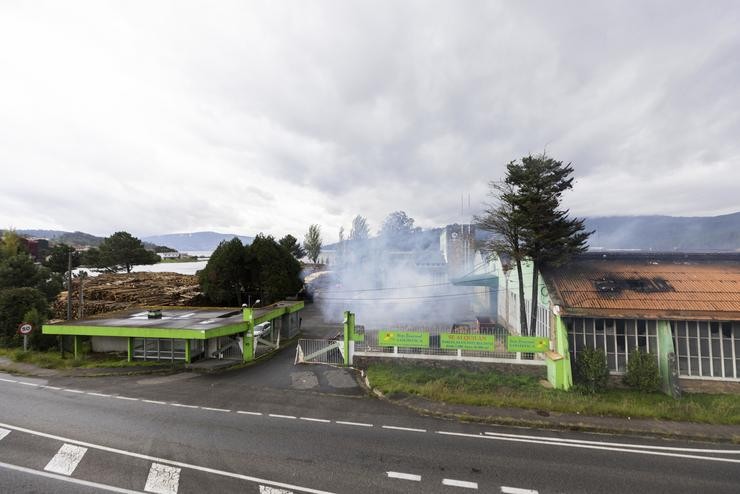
(406, 339)
(527, 344)
(477, 342)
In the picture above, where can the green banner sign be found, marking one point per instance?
(527, 344)
(403, 339)
(477, 342)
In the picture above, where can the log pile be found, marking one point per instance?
(111, 292)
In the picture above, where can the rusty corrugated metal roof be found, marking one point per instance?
(641, 286)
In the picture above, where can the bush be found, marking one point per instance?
(592, 371)
(642, 371)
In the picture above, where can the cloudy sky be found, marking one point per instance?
(160, 117)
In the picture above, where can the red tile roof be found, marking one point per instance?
(648, 286)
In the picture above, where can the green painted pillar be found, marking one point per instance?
(349, 329)
(187, 351)
(130, 349)
(76, 346)
(248, 339)
(559, 372)
(665, 350)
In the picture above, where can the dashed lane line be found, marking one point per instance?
(359, 424)
(162, 479)
(404, 476)
(155, 402)
(55, 388)
(516, 490)
(183, 405)
(27, 383)
(102, 395)
(309, 419)
(278, 416)
(626, 445)
(68, 390)
(244, 412)
(216, 409)
(66, 459)
(72, 480)
(460, 483)
(165, 461)
(265, 489)
(8, 380)
(409, 429)
(126, 398)
(591, 446)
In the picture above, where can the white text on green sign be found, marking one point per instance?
(404, 339)
(476, 342)
(527, 344)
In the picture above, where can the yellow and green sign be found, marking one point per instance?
(527, 344)
(406, 339)
(477, 342)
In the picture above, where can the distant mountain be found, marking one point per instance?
(75, 239)
(666, 233)
(195, 241)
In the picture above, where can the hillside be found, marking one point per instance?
(666, 233)
(195, 241)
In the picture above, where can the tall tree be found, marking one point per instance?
(531, 223)
(312, 242)
(274, 272)
(121, 251)
(294, 247)
(225, 276)
(360, 230)
(397, 230)
(503, 219)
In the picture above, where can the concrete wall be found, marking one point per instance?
(109, 344)
(531, 370)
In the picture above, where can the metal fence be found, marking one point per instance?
(319, 351)
(370, 347)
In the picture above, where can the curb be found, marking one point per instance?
(542, 424)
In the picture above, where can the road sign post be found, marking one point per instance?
(25, 329)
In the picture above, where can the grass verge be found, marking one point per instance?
(53, 360)
(518, 391)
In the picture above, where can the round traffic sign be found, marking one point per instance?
(25, 328)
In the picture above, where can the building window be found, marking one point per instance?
(617, 337)
(707, 349)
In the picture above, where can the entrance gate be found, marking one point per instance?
(320, 351)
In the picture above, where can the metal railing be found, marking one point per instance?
(319, 351)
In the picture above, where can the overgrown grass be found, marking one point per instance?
(53, 360)
(517, 391)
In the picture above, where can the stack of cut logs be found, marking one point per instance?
(111, 292)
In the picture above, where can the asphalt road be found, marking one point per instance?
(263, 430)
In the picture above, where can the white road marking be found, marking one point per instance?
(183, 406)
(155, 402)
(56, 388)
(277, 416)
(272, 490)
(404, 476)
(62, 478)
(27, 384)
(248, 413)
(588, 446)
(460, 483)
(68, 390)
(125, 398)
(323, 421)
(102, 395)
(66, 459)
(180, 464)
(215, 409)
(360, 424)
(3, 433)
(410, 429)
(162, 479)
(516, 490)
(626, 445)
(8, 380)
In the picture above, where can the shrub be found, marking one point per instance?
(592, 370)
(642, 371)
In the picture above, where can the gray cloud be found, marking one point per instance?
(271, 116)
